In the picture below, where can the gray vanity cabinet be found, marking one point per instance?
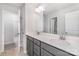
(36, 47)
(36, 50)
(28, 47)
(35, 54)
(33, 46)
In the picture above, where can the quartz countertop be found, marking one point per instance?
(54, 40)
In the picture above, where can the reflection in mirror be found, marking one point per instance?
(53, 25)
(60, 18)
(72, 23)
(53, 22)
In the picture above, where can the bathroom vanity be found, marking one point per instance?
(37, 46)
(59, 32)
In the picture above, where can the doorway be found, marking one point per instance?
(11, 29)
(53, 25)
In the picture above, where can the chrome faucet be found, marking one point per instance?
(38, 33)
(62, 37)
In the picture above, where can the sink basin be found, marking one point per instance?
(54, 40)
(74, 43)
(59, 42)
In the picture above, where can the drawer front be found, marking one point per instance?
(37, 42)
(30, 38)
(37, 49)
(54, 50)
(45, 53)
(30, 47)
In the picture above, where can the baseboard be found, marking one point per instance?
(8, 43)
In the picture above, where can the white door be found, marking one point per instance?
(52, 26)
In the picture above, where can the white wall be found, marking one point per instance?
(39, 21)
(29, 18)
(10, 8)
(34, 20)
(60, 14)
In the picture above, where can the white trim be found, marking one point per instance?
(18, 32)
(2, 31)
(24, 44)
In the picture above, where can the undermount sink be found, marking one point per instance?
(72, 42)
(59, 43)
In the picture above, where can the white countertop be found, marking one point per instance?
(54, 40)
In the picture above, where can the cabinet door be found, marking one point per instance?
(37, 49)
(35, 54)
(29, 47)
(54, 50)
(45, 53)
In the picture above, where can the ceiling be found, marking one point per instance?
(55, 6)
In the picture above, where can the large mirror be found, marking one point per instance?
(59, 18)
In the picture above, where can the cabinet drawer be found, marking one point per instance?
(37, 42)
(35, 54)
(36, 49)
(54, 50)
(30, 38)
(30, 47)
(45, 53)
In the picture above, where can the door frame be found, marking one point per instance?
(3, 27)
